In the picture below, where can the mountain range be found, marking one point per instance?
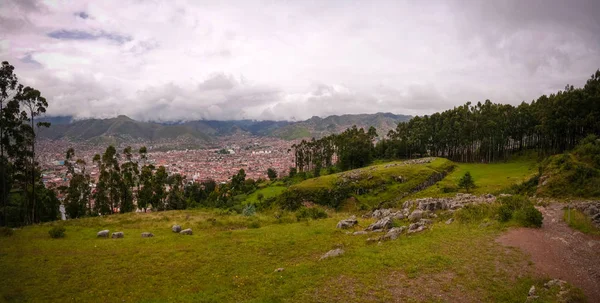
(202, 132)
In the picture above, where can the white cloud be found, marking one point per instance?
(181, 60)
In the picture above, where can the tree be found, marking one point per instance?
(272, 174)
(77, 194)
(466, 182)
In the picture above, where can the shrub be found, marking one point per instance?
(249, 210)
(57, 232)
(311, 213)
(521, 210)
(254, 224)
(529, 216)
(6, 231)
(505, 213)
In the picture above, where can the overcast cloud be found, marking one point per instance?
(182, 60)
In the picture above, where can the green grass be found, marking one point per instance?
(378, 184)
(267, 192)
(224, 261)
(579, 221)
(488, 178)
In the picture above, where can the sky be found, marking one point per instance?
(290, 60)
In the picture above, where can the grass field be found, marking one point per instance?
(224, 261)
(489, 178)
(579, 221)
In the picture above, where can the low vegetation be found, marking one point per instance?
(573, 174)
(462, 259)
(57, 232)
(579, 221)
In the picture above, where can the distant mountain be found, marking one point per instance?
(122, 129)
(320, 127)
(201, 132)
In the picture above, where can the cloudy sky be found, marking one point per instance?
(181, 60)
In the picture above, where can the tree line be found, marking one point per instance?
(482, 132)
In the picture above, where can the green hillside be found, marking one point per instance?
(372, 186)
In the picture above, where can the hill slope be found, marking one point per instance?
(200, 132)
(122, 128)
(319, 127)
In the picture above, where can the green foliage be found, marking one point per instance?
(272, 174)
(573, 174)
(521, 210)
(314, 213)
(466, 182)
(57, 232)
(529, 216)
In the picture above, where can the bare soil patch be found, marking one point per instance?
(560, 252)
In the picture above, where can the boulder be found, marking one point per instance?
(394, 233)
(416, 215)
(384, 223)
(449, 221)
(332, 253)
(103, 233)
(186, 231)
(279, 269)
(373, 240)
(147, 235)
(425, 222)
(360, 232)
(347, 223)
(118, 234)
(176, 228)
(415, 228)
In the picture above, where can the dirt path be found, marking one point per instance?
(561, 252)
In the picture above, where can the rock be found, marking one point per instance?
(531, 295)
(103, 233)
(394, 233)
(332, 253)
(176, 228)
(186, 231)
(118, 234)
(449, 221)
(360, 232)
(555, 282)
(147, 235)
(347, 223)
(415, 215)
(384, 223)
(425, 222)
(279, 269)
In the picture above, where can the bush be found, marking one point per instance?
(6, 232)
(521, 210)
(529, 217)
(57, 232)
(505, 213)
(311, 213)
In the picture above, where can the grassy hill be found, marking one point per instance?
(574, 174)
(373, 186)
(226, 261)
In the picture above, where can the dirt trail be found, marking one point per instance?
(561, 252)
